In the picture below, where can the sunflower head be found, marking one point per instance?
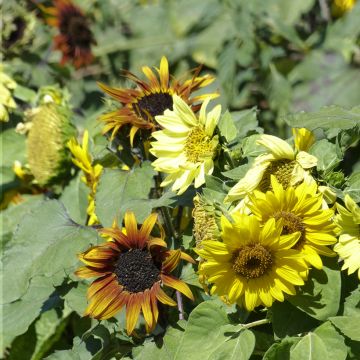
(47, 154)
(348, 247)
(7, 102)
(289, 164)
(187, 145)
(299, 210)
(131, 270)
(253, 265)
(75, 37)
(151, 98)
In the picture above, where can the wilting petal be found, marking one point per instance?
(164, 298)
(132, 312)
(171, 261)
(146, 308)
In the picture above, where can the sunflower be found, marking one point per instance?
(253, 265)
(83, 160)
(186, 146)
(348, 246)
(142, 104)
(300, 210)
(131, 270)
(75, 38)
(340, 7)
(288, 164)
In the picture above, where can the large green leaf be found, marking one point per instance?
(331, 117)
(353, 186)
(334, 342)
(281, 351)
(348, 325)
(14, 144)
(310, 347)
(41, 253)
(227, 127)
(119, 191)
(320, 296)
(325, 152)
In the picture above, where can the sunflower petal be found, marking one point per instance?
(178, 285)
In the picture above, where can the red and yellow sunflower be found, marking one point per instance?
(131, 270)
(75, 37)
(151, 98)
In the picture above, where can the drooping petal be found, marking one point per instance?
(177, 284)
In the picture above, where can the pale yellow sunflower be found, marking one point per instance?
(253, 265)
(186, 146)
(290, 165)
(300, 210)
(348, 246)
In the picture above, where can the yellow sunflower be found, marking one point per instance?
(253, 265)
(348, 246)
(186, 146)
(300, 210)
(83, 160)
(288, 164)
(340, 7)
(152, 98)
(131, 270)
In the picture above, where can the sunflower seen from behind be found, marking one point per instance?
(151, 98)
(253, 265)
(348, 247)
(131, 270)
(186, 147)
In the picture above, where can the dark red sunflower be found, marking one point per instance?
(131, 270)
(75, 37)
(149, 99)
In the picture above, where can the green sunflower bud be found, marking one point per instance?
(48, 155)
(335, 178)
(206, 220)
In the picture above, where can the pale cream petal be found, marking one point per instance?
(278, 147)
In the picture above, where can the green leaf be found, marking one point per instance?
(331, 117)
(320, 296)
(227, 127)
(119, 191)
(237, 173)
(25, 94)
(238, 347)
(76, 298)
(325, 151)
(287, 320)
(332, 340)
(245, 121)
(75, 199)
(348, 325)
(281, 351)
(309, 347)
(353, 186)
(45, 244)
(15, 146)
(352, 303)
(203, 331)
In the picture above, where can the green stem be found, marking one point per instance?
(256, 323)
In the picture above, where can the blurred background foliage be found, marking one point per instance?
(272, 57)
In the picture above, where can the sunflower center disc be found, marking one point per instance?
(152, 105)
(282, 170)
(252, 261)
(292, 223)
(136, 270)
(198, 145)
(79, 32)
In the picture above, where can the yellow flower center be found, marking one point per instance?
(282, 170)
(151, 105)
(198, 145)
(136, 270)
(292, 223)
(252, 261)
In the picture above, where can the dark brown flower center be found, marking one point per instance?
(74, 25)
(152, 105)
(136, 270)
(292, 223)
(252, 261)
(282, 170)
(18, 32)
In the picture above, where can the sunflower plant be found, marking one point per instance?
(180, 183)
